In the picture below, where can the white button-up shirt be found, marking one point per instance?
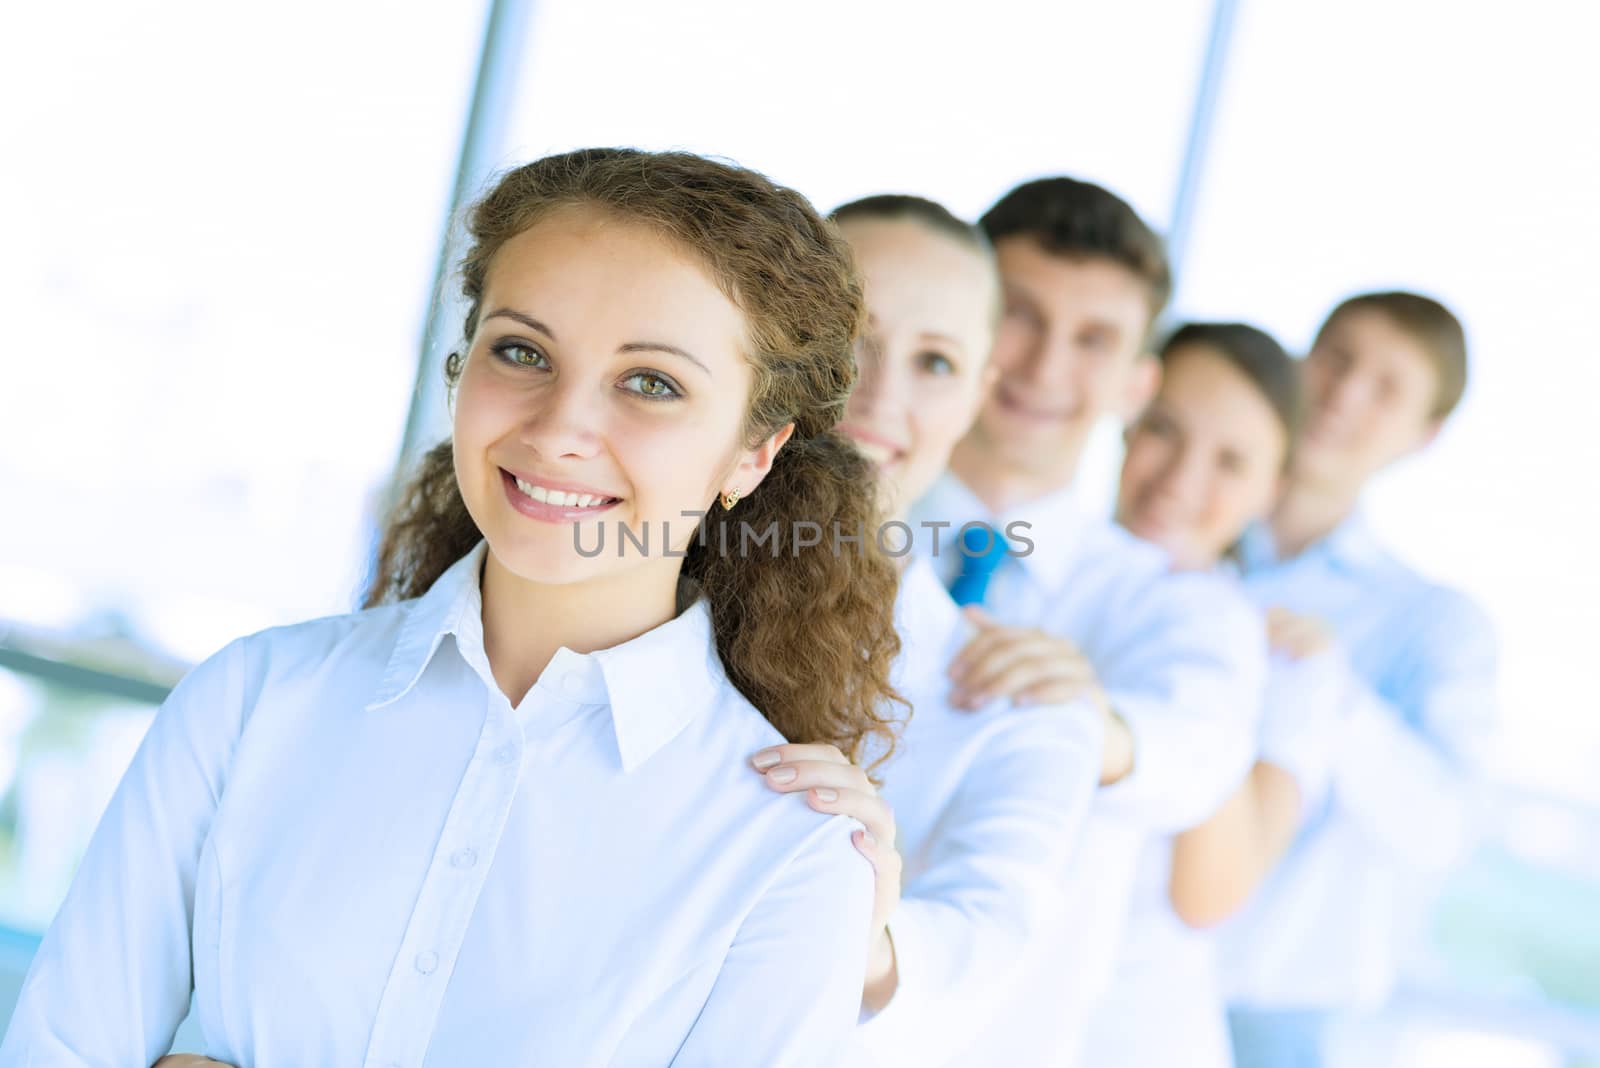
(1182, 658)
(988, 808)
(371, 858)
(1418, 668)
(1165, 1005)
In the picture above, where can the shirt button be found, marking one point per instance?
(464, 858)
(572, 686)
(507, 753)
(427, 961)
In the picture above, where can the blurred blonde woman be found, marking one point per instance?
(979, 815)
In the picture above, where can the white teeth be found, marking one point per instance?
(559, 498)
(876, 453)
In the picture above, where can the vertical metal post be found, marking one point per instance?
(1207, 91)
(505, 42)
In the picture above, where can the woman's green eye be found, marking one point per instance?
(519, 355)
(652, 386)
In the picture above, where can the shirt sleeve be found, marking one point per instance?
(789, 991)
(992, 880)
(111, 981)
(1408, 765)
(1188, 681)
(1304, 721)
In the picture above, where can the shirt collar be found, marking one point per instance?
(1255, 549)
(1055, 524)
(453, 603)
(1354, 543)
(654, 684)
(1351, 546)
(660, 681)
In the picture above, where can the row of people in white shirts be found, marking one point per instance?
(371, 840)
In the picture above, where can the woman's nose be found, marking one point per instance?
(565, 419)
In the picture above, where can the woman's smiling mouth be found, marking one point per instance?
(554, 504)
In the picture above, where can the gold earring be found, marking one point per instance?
(729, 499)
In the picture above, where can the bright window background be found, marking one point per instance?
(840, 99)
(220, 234)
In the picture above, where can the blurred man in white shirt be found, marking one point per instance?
(1385, 372)
(1174, 664)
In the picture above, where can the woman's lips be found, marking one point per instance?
(558, 506)
(880, 452)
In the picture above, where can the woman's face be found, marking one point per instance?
(1203, 461)
(924, 359)
(606, 386)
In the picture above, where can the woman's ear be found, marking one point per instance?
(758, 461)
(452, 377)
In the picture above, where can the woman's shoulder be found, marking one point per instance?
(367, 630)
(718, 745)
(731, 726)
(295, 654)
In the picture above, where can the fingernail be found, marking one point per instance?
(766, 758)
(782, 774)
(826, 793)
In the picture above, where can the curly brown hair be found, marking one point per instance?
(806, 632)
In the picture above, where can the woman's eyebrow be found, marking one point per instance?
(526, 320)
(662, 346)
(948, 339)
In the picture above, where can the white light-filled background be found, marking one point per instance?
(219, 228)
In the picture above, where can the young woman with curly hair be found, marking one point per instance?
(501, 814)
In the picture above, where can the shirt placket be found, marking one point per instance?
(409, 1007)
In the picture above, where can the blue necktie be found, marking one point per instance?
(977, 564)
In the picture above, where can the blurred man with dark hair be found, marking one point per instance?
(1173, 664)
